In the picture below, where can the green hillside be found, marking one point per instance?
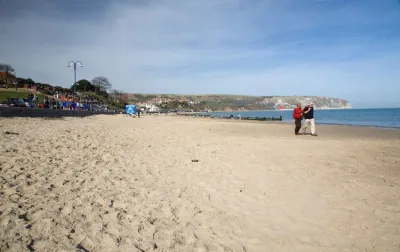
(20, 93)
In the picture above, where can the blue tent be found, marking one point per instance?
(130, 109)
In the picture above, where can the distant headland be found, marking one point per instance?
(233, 102)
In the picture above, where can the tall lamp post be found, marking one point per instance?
(74, 63)
(15, 80)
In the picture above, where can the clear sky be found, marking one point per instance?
(341, 48)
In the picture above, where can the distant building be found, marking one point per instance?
(8, 79)
(153, 108)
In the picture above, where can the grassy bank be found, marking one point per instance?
(20, 93)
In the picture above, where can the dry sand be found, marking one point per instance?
(112, 183)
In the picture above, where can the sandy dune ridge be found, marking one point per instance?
(113, 183)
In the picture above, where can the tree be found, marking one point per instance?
(30, 81)
(85, 85)
(174, 105)
(21, 81)
(7, 69)
(102, 84)
(116, 94)
(122, 99)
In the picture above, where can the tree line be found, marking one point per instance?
(100, 85)
(8, 69)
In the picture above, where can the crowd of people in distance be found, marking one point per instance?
(54, 104)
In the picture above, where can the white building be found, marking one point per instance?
(153, 108)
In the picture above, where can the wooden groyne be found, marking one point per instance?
(251, 118)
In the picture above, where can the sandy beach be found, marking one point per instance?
(164, 183)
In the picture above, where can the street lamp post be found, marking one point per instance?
(15, 80)
(74, 64)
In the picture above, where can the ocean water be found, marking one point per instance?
(385, 118)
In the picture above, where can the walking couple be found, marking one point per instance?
(308, 114)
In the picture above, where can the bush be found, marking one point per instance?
(44, 91)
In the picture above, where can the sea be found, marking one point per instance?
(378, 117)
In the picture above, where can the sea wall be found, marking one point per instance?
(35, 112)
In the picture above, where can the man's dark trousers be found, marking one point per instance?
(297, 122)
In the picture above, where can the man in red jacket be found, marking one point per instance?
(297, 117)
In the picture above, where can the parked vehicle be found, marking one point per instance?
(13, 102)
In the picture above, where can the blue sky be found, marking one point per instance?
(340, 48)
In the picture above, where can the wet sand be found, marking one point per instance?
(161, 183)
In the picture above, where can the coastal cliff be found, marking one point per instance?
(320, 102)
(233, 102)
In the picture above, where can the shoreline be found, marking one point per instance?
(325, 119)
(323, 130)
(352, 125)
(289, 110)
(269, 110)
(289, 122)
